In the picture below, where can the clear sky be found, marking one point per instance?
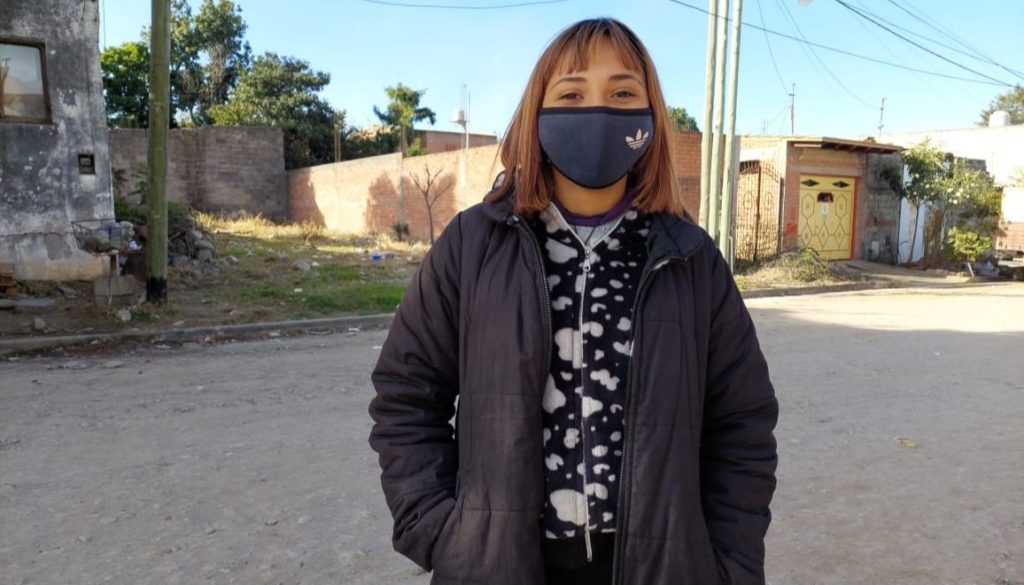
(367, 46)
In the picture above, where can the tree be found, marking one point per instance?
(283, 92)
(431, 185)
(208, 57)
(404, 111)
(368, 141)
(126, 84)
(926, 167)
(684, 122)
(1012, 101)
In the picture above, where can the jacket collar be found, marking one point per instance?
(671, 236)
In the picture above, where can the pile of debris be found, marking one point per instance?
(192, 248)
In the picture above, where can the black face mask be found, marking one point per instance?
(595, 147)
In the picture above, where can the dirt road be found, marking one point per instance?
(247, 462)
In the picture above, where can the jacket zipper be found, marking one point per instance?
(627, 442)
(585, 268)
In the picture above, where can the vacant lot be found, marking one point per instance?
(900, 443)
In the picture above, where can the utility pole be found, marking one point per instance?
(708, 121)
(716, 144)
(337, 136)
(792, 111)
(881, 119)
(729, 176)
(159, 121)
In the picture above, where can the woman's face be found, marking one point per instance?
(606, 82)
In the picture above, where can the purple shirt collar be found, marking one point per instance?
(599, 219)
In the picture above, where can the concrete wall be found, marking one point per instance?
(1012, 224)
(364, 195)
(213, 168)
(1001, 148)
(41, 189)
(881, 209)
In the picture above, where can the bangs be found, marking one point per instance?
(577, 44)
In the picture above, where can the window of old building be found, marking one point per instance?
(23, 92)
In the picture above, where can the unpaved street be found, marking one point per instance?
(901, 444)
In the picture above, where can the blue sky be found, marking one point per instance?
(366, 46)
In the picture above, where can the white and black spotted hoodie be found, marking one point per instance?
(592, 286)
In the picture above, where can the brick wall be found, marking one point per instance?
(686, 161)
(437, 141)
(371, 194)
(363, 195)
(214, 168)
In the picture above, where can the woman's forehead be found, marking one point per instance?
(578, 58)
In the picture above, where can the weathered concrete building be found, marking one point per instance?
(54, 165)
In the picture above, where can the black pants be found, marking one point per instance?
(565, 561)
(598, 572)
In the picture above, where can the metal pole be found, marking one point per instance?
(709, 91)
(716, 143)
(159, 121)
(729, 176)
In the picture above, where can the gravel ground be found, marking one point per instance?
(900, 444)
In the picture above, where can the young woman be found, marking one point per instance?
(615, 413)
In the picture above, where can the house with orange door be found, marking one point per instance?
(815, 192)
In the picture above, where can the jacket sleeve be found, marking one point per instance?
(738, 450)
(416, 382)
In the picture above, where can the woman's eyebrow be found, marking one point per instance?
(624, 76)
(569, 80)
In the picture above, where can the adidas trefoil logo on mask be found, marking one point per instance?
(637, 142)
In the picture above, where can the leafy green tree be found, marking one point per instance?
(283, 92)
(403, 111)
(684, 122)
(126, 84)
(966, 245)
(1012, 101)
(209, 54)
(364, 142)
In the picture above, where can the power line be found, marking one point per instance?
(845, 52)
(971, 53)
(818, 57)
(771, 53)
(934, 25)
(460, 7)
(918, 45)
(875, 35)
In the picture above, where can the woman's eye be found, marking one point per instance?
(570, 96)
(624, 94)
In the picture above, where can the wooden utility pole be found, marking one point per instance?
(715, 178)
(729, 171)
(159, 121)
(709, 110)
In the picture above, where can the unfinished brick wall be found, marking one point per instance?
(364, 195)
(213, 168)
(686, 161)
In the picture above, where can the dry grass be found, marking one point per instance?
(791, 269)
(314, 235)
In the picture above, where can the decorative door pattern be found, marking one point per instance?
(826, 215)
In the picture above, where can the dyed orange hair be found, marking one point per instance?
(527, 172)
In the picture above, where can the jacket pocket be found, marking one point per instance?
(444, 557)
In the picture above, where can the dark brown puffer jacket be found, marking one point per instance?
(699, 461)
